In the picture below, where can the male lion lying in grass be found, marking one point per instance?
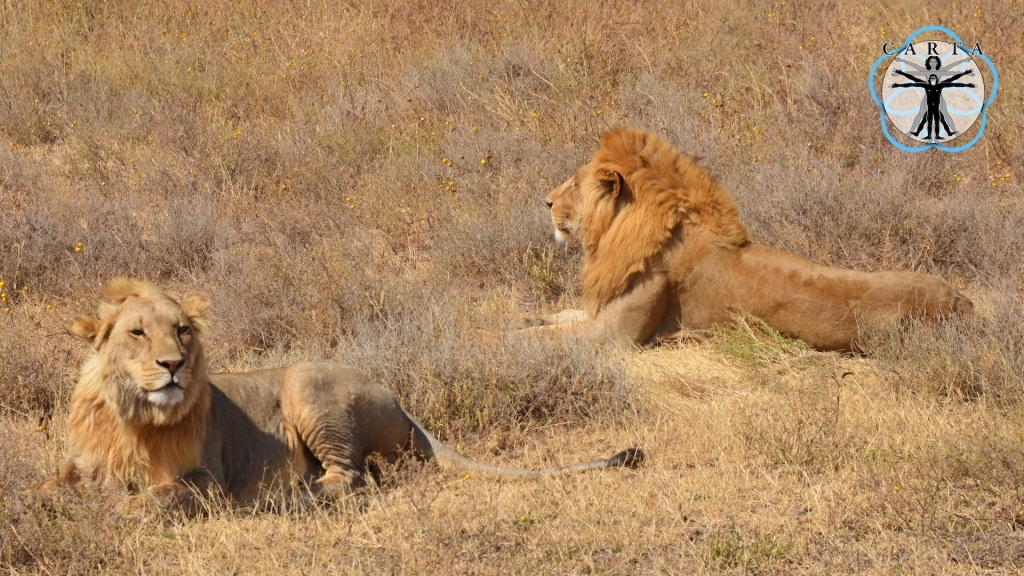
(145, 405)
(665, 252)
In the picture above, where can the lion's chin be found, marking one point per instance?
(561, 236)
(170, 395)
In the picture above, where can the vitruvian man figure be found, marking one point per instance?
(933, 88)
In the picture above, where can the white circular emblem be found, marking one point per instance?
(933, 91)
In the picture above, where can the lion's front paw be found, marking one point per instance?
(140, 505)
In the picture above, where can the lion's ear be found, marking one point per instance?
(614, 186)
(195, 307)
(612, 182)
(92, 331)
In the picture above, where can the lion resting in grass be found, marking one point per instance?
(145, 407)
(665, 253)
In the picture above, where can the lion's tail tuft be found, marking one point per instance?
(630, 458)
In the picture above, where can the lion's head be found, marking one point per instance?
(148, 363)
(566, 204)
(625, 203)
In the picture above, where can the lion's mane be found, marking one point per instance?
(660, 188)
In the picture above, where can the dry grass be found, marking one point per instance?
(364, 183)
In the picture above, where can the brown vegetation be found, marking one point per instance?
(365, 183)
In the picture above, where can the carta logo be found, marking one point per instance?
(933, 92)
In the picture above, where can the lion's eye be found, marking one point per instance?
(182, 330)
(137, 332)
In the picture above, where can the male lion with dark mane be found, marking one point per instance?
(665, 253)
(145, 406)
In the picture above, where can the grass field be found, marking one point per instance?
(364, 183)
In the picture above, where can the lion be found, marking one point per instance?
(145, 409)
(666, 256)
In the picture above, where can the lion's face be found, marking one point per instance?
(149, 354)
(566, 203)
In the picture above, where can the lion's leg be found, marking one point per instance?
(186, 497)
(564, 317)
(314, 402)
(336, 444)
(67, 474)
(630, 318)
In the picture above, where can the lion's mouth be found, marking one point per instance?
(169, 395)
(564, 232)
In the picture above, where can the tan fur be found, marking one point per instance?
(665, 253)
(240, 434)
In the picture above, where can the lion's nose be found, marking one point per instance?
(549, 203)
(170, 365)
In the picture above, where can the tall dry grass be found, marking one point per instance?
(365, 183)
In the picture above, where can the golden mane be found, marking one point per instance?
(640, 190)
(116, 450)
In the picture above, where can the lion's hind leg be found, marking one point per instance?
(340, 453)
(325, 426)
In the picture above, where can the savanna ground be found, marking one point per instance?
(364, 183)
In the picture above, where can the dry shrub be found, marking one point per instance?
(456, 387)
(974, 358)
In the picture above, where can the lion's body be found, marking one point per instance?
(246, 435)
(665, 253)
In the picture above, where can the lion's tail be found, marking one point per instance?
(432, 448)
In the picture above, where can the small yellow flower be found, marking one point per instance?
(1, 283)
(522, 519)
(483, 161)
(348, 199)
(467, 476)
(895, 488)
(705, 94)
(8, 309)
(463, 157)
(48, 306)
(24, 290)
(475, 128)
(444, 160)
(78, 247)
(3, 297)
(42, 429)
(351, 206)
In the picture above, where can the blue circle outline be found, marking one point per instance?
(984, 107)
